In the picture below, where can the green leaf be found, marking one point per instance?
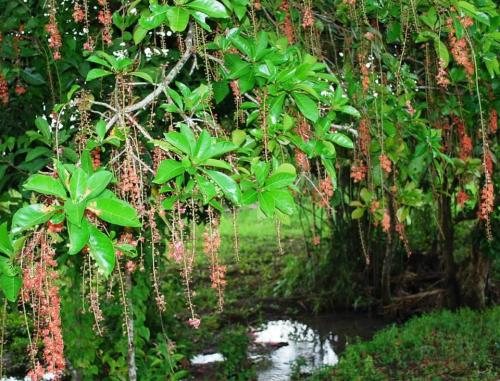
(32, 78)
(203, 145)
(357, 213)
(102, 250)
(97, 73)
(350, 110)
(74, 211)
(207, 189)
(261, 170)
(330, 169)
(179, 141)
(97, 183)
(217, 163)
(127, 249)
(227, 184)
(470, 9)
(249, 196)
(115, 211)
(167, 170)
(284, 201)
(442, 52)
(86, 162)
(201, 18)
(37, 152)
(30, 216)
(279, 180)
(10, 286)
(178, 19)
(43, 127)
(143, 75)
(341, 140)
(276, 108)
(307, 106)
(139, 34)
(286, 168)
(78, 236)
(45, 185)
(238, 137)
(7, 266)
(366, 195)
(212, 8)
(5, 242)
(63, 174)
(219, 149)
(266, 203)
(237, 67)
(78, 184)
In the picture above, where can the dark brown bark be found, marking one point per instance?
(473, 275)
(452, 299)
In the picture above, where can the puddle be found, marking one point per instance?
(279, 345)
(303, 344)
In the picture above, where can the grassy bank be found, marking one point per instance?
(463, 345)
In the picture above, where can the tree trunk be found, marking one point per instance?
(447, 248)
(473, 275)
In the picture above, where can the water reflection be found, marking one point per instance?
(302, 342)
(314, 341)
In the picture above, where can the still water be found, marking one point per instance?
(311, 341)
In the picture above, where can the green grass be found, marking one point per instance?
(464, 345)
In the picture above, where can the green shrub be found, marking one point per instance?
(444, 345)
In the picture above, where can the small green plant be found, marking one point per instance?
(234, 348)
(297, 368)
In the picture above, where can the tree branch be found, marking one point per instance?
(345, 128)
(169, 78)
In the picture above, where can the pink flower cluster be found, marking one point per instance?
(40, 289)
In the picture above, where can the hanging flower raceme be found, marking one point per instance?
(96, 158)
(287, 26)
(105, 18)
(78, 13)
(462, 198)
(211, 246)
(364, 136)
(302, 160)
(176, 250)
(4, 90)
(386, 222)
(55, 40)
(493, 121)
(20, 89)
(325, 192)
(365, 78)
(194, 322)
(410, 108)
(459, 48)
(488, 163)
(442, 75)
(464, 139)
(358, 171)
(487, 201)
(308, 18)
(42, 293)
(385, 163)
